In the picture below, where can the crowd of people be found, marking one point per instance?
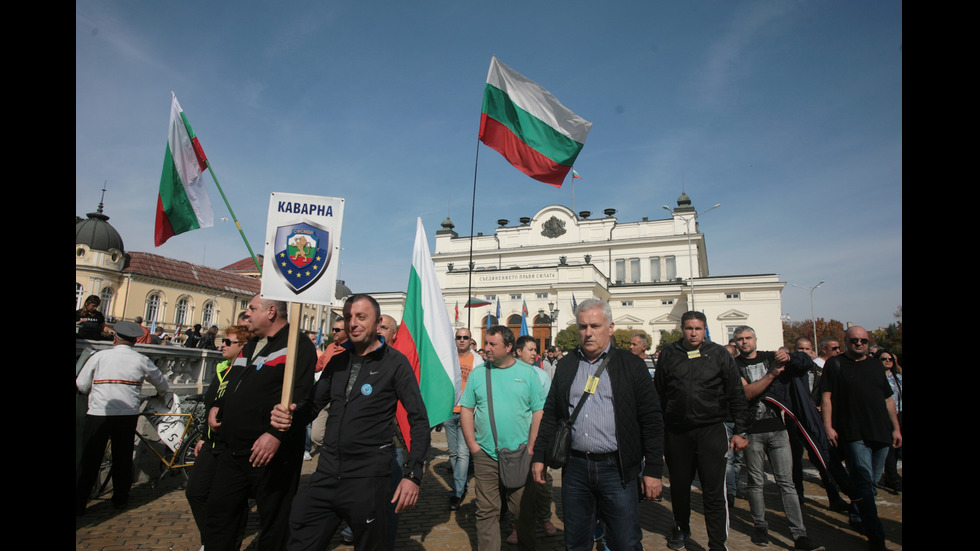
(700, 409)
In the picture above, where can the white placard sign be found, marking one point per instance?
(302, 248)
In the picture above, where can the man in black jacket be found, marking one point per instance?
(362, 386)
(699, 386)
(619, 426)
(257, 459)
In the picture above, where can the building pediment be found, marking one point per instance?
(628, 320)
(732, 315)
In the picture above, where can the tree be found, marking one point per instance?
(567, 338)
(793, 330)
(623, 336)
(890, 338)
(669, 337)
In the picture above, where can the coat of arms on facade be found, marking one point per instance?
(553, 227)
(302, 254)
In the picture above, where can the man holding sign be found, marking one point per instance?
(258, 459)
(362, 387)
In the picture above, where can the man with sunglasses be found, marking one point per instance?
(459, 454)
(860, 418)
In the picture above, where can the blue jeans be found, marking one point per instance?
(734, 466)
(776, 446)
(865, 463)
(587, 484)
(459, 454)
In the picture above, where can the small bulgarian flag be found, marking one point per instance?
(426, 338)
(529, 126)
(183, 203)
(575, 175)
(524, 308)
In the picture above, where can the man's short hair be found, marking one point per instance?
(825, 341)
(138, 319)
(505, 334)
(646, 339)
(550, 349)
(742, 329)
(693, 315)
(362, 296)
(589, 304)
(522, 342)
(798, 339)
(197, 326)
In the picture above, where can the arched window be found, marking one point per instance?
(106, 296)
(180, 314)
(79, 295)
(152, 308)
(207, 316)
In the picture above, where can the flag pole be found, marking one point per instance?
(469, 283)
(233, 217)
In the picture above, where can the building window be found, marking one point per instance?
(515, 297)
(79, 295)
(732, 296)
(731, 332)
(244, 304)
(655, 269)
(152, 308)
(634, 270)
(207, 319)
(180, 316)
(542, 295)
(626, 303)
(670, 266)
(667, 302)
(620, 271)
(106, 296)
(491, 297)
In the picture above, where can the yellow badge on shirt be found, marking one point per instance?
(591, 384)
(691, 354)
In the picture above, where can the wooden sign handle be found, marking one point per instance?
(289, 374)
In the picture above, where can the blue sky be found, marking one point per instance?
(788, 113)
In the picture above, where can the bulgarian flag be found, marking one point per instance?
(426, 338)
(183, 204)
(529, 126)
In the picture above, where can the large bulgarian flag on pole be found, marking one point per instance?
(426, 338)
(183, 204)
(529, 126)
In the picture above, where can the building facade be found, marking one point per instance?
(650, 271)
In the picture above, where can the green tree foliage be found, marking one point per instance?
(669, 337)
(567, 338)
(796, 329)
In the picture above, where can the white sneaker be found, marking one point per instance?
(307, 456)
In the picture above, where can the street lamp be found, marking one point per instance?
(552, 317)
(690, 250)
(812, 316)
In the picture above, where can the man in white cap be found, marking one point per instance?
(113, 380)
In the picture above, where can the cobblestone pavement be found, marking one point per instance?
(159, 518)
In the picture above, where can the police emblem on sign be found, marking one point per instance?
(302, 254)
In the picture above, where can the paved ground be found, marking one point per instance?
(159, 518)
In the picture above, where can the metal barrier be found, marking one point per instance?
(187, 370)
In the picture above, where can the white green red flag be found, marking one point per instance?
(529, 126)
(426, 338)
(183, 203)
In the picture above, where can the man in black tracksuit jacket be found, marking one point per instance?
(699, 385)
(362, 387)
(257, 459)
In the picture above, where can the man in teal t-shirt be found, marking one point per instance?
(518, 398)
